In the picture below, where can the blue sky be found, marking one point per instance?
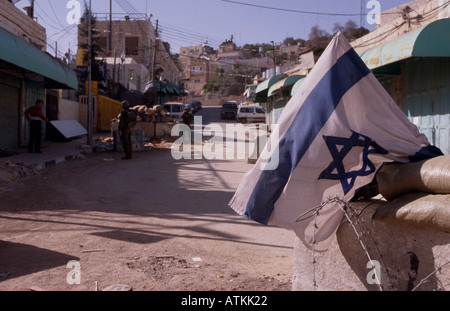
(191, 22)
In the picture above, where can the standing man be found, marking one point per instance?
(126, 123)
(34, 116)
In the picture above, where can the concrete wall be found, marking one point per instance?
(407, 252)
(68, 110)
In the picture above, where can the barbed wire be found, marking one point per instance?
(347, 209)
(424, 280)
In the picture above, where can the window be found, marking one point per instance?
(131, 45)
(176, 108)
(197, 69)
(101, 42)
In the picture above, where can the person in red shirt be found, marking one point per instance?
(34, 116)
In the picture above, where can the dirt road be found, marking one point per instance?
(152, 223)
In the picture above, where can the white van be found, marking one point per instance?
(175, 109)
(251, 114)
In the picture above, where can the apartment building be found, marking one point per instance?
(133, 51)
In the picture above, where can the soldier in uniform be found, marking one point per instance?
(125, 129)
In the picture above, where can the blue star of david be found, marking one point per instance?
(348, 179)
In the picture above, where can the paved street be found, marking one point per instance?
(153, 223)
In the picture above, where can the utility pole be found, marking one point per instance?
(274, 60)
(32, 9)
(154, 51)
(89, 108)
(110, 29)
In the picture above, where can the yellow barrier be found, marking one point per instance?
(108, 109)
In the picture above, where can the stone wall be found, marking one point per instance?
(17, 22)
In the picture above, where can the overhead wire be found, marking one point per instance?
(61, 30)
(290, 10)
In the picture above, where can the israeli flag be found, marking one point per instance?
(148, 86)
(331, 139)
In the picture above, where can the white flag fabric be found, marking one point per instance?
(331, 139)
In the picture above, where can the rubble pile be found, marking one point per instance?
(105, 143)
(10, 171)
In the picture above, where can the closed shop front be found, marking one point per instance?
(427, 98)
(415, 69)
(10, 111)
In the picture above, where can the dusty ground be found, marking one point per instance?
(152, 223)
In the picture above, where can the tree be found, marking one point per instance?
(214, 85)
(350, 30)
(97, 65)
(318, 38)
(291, 41)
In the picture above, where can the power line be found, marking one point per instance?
(291, 10)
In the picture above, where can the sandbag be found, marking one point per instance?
(142, 109)
(421, 209)
(429, 176)
(150, 111)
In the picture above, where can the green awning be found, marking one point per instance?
(161, 87)
(263, 88)
(297, 86)
(169, 88)
(177, 89)
(23, 54)
(432, 40)
(284, 83)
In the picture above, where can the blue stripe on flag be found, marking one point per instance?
(427, 152)
(311, 117)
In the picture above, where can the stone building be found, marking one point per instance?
(199, 63)
(136, 40)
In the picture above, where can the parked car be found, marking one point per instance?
(229, 110)
(175, 109)
(251, 114)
